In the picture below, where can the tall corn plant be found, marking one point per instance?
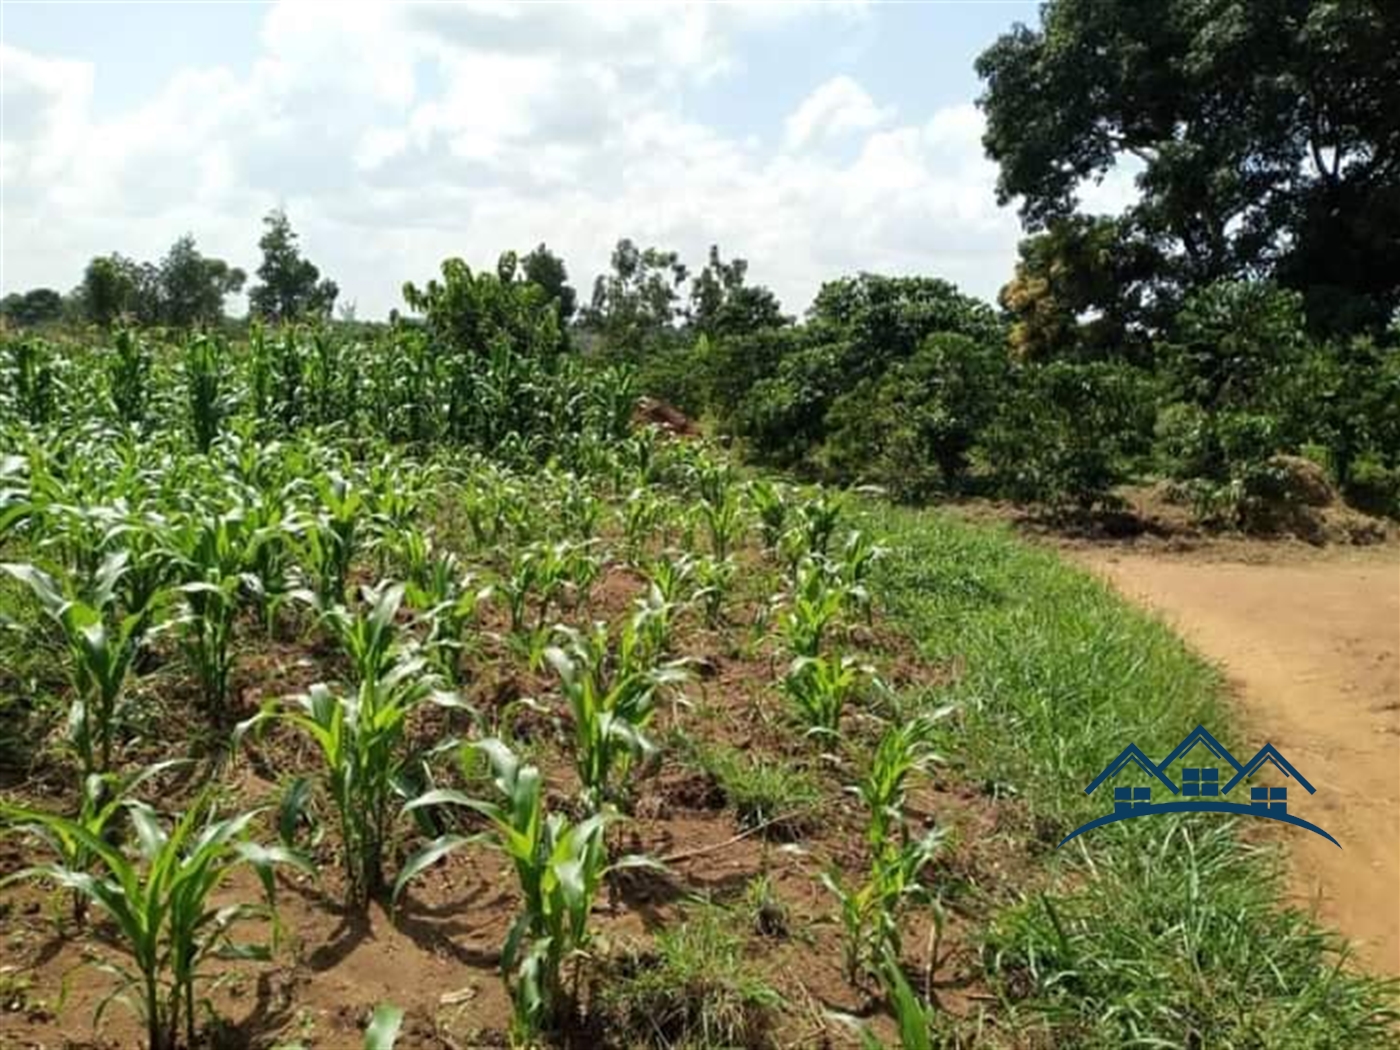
(206, 381)
(559, 866)
(161, 903)
(129, 376)
(362, 735)
(101, 642)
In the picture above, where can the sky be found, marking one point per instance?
(813, 140)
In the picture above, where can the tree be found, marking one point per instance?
(542, 267)
(721, 304)
(634, 305)
(1081, 290)
(36, 306)
(193, 286)
(1267, 136)
(291, 287)
(108, 289)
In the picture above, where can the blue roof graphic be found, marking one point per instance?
(1268, 753)
(1131, 753)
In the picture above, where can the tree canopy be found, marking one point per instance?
(290, 287)
(1266, 136)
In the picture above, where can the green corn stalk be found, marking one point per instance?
(160, 903)
(326, 543)
(641, 515)
(205, 382)
(771, 507)
(870, 911)
(818, 518)
(819, 688)
(714, 578)
(859, 555)
(102, 797)
(559, 866)
(129, 376)
(213, 550)
(446, 598)
(367, 763)
(102, 644)
(610, 705)
(815, 604)
(903, 749)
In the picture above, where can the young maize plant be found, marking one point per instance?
(103, 796)
(719, 508)
(160, 903)
(770, 505)
(267, 578)
(578, 510)
(443, 594)
(819, 687)
(714, 578)
(362, 735)
(559, 865)
(647, 635)
(610, 703)
(546, 573)
(903, 749)
(327, 541)
(212, 551)
(102, 643)
(815, 602)
(858, 557)
(642, 514)
(870, 912)
(818, 518)
(206, 380)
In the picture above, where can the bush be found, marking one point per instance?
(913, 429)
(1373, 486)
(1067, 433)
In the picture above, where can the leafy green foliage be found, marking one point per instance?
(362, 735)
(290, 287)
(560, 866)
(161, 902)
(1263, 134)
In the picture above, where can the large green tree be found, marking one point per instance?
(36, 306)
(1265, 133)
(722, 304)
(635, 305)
(542, 267)
(193, 286)
(290, 286)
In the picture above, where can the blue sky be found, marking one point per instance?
(813, 140)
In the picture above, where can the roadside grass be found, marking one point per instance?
(1164, 932)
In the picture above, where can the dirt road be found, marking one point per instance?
(1312, 647)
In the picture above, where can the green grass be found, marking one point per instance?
(762, 791)
(1166, 932)
(692, 989)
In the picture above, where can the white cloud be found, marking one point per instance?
(838, 107)
(399, 135)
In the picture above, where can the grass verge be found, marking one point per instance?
(1166, 932)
